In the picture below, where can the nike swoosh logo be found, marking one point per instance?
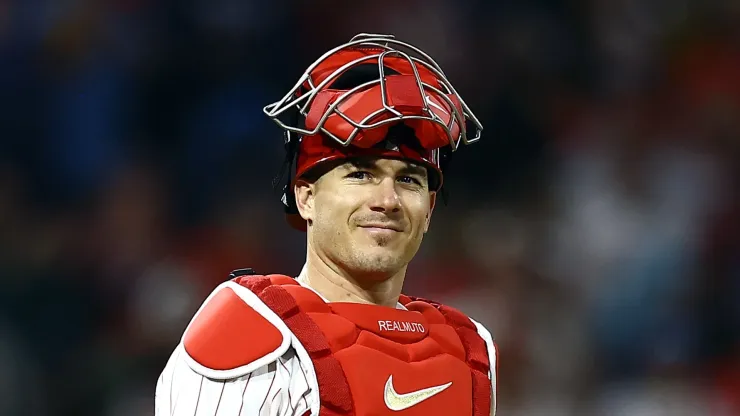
(398, 402)
(435, 105)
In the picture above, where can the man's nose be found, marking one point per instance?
(385, 197)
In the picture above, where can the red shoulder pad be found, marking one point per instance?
(233, 334)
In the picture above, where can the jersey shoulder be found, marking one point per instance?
(233, 334)
(484, 333)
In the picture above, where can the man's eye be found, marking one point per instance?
(409, 179)
(359, 175)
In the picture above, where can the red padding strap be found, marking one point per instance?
(476, 355)
(334, 391)
(404, 94)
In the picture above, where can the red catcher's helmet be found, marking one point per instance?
(351, 101)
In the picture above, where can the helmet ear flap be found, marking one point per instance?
(292, 142)
(445, 157)
(288, 200)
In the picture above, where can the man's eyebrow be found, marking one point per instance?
(372, 164)
(360, 163)
(413, 170)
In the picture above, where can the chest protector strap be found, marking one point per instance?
(476, 354)
(334, 390)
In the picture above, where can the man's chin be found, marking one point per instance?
(379, 263)
(383, 254)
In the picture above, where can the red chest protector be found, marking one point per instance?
(368, 359)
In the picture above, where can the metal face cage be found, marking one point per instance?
(441, 104)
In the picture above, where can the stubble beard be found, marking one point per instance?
(378, 263)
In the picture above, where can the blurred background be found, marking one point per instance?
(595, 229)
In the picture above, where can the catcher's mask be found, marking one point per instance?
(372, 96)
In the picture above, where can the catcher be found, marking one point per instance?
(369, 127)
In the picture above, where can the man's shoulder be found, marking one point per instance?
(233, 333)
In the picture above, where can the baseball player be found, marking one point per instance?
(369, 127)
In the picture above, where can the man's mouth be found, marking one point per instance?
(381, 227)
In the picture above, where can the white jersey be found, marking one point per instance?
(286, 386)
(277, 389)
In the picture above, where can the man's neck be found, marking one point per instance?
(336, 286)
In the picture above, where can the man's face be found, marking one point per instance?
(367, 216)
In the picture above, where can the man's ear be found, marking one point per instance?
(432, 203)
(304, 198)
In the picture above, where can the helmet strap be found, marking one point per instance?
(445, 157)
